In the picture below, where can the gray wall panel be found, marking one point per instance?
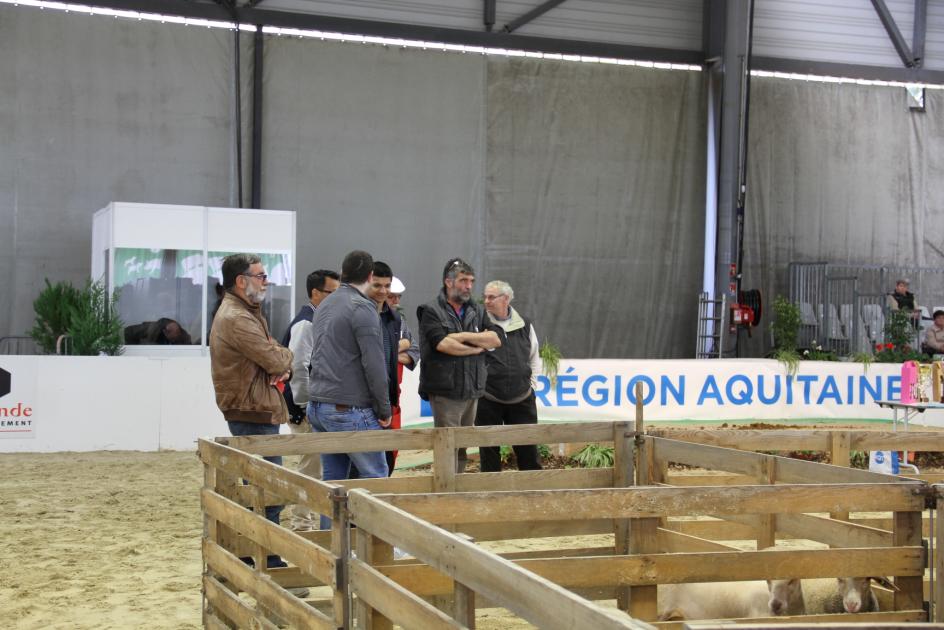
(379, 149)
(95, 110)
(595, 208)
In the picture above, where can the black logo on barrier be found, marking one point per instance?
(4, 382)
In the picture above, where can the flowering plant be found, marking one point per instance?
(899, 335)
(816, 353)
(890, 353)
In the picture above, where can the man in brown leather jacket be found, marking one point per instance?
(247, 365)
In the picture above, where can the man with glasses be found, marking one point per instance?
(454, 334)
(247, 365)
(319, 284)
(512, 373)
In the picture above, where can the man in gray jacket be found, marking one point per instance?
(348, 381)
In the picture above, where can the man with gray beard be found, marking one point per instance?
(454, 333)
(247, 365)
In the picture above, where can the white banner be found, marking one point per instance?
(148, 404)
(17, 398)
(731, 389)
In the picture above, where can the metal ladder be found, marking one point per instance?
(711, 327)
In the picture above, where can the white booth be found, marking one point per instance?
(166, 261)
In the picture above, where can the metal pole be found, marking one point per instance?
(239, 121)
(920, 31)
(533, 14)
(898, 40)
(489, 15)
(258, 47)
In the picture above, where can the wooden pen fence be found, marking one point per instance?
(657, 526)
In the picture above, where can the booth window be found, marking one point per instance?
(158, 289)
(278, 303)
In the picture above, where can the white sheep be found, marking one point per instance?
(786, 598)
(823, 596)
(854, 596)
(713, 600)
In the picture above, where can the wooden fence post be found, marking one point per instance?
(210, 533)
(259, 553)
(444, 460)
(372, 550)
(643, 532)
(938, 537)
(907, 533)
(464, 599)
(624, 475)
(444, 464)
(225, 485)
(767, 534)
(839, 445)
(341, 549)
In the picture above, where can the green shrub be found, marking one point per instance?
(594, 456)
(87, 317)
(95, 327)
(54, 307)
(550, 359)
(505, 452)
(786, 324)
(790, 359)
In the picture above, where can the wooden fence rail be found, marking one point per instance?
(533, 598)
(661, 531)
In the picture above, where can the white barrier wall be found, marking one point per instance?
(108, 403)
(149, 404)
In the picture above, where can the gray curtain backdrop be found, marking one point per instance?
(94, 110)
(376, 148)
(840, 173)
(596, 203)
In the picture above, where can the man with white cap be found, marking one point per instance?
(409, 349)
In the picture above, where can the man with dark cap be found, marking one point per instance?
(454, 334)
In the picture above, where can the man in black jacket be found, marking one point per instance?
(512, 370)
(454, 334)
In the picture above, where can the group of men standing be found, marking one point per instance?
(340, 362)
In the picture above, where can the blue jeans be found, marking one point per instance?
(239, 429)
(325, 418)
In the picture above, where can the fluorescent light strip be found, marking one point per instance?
(69, 7)
(815, 78)
(462, 48)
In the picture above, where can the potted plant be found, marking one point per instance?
(87, 317)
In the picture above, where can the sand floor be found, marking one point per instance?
(112, 540)
(100, 540)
